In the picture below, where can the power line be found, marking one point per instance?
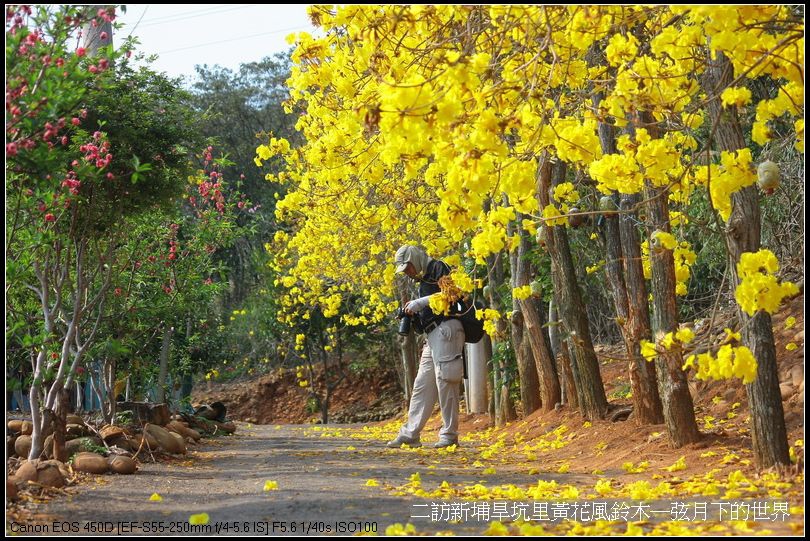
(230, 40)
(194, 14)
(139, 21)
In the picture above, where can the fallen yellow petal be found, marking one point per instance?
(270, 485)
(372, 483)
(155, 497)
(199, 518)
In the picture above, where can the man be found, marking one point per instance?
(441, 366)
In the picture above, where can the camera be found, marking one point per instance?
(404, 322)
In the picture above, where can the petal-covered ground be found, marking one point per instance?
(343, 480)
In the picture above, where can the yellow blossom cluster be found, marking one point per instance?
(424, 124)
(730, 362)
(759, 289)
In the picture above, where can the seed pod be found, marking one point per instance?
(768, 176)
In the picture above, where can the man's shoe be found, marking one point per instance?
(397, 442)
(444, 443)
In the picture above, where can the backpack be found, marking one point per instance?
(465, 312)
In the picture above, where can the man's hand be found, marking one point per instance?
(416, 305)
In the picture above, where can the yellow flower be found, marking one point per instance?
(399, 530)
(270, 485)
(791, 346)
(736, 96)
(372, 483)
(679, 465)
(603, 487)
(496, 527)
(790, 322)
(522, 292)
(199, 518)
(155, 497)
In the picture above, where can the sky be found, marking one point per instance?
(185, 35)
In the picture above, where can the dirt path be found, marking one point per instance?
(323, 476)
(321, 488)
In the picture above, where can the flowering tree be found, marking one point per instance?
(433, 124)
(96, 161)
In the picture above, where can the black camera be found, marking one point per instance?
(404, 322)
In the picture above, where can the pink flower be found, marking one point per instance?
(92, 69)
(81, 51)
(50, 217)
(75, 121)
(103, 36)
(11, 149)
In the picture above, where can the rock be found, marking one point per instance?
(786, 390)
(27, 428)
(73, 419)
(79, 445)
(124, 442)
(10, 445)
(165, 439)
(75, 430)
(22, 446)
(180, 442)
(49, 473)
(151, 444)
(228, 427)
(183, 430)
(90, 463)
(110, 432)
(15, 425)
(797, 375)
(26, 472)
(11, 488)
(123, 465)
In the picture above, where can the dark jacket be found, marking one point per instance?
(428, 285)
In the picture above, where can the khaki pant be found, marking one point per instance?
(440, 372)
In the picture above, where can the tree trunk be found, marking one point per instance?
(625, 276)
(59, 428)
(164, 364)
(531, 309)
(743, 230)
(550, 392)
(570, 388)
(679, 410)
(647, 408)
(504, 409)
(529, 384)
(527, 369)
(584, 365)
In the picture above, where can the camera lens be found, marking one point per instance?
(404, 325)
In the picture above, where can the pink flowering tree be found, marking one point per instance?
(96, 163)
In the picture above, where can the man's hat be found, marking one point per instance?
(400, 259)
